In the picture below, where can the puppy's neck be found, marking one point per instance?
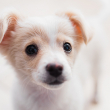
(27, 92)
(37, 93)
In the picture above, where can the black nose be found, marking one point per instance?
(54, 69)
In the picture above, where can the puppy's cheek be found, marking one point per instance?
(34, 77)
(67, 72)
(39, 76)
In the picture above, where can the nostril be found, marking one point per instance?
(50, 67)
(60, 68)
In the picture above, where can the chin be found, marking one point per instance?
(52, 86)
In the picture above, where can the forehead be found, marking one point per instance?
(50, 27)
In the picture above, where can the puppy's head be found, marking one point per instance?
(42, 49)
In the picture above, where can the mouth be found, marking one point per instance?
(53, 84)
(56, 82)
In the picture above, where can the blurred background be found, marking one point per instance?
(93, 10)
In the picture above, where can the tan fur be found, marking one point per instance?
(11, 44)
(80, 27)
(17, 33)
(61, 38)
(75, 23)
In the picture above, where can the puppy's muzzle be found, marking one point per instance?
(55, 72)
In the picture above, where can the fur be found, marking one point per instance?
(49, 33)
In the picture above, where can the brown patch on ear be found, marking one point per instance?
(8, 22)
(80, 26)
(7, 25)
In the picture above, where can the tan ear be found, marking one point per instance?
(83, 30)
(8, 21)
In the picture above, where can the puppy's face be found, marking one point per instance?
(42, 50)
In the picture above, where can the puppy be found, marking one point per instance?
(42, 51)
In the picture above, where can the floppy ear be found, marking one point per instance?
(83, 30)
(8, 21)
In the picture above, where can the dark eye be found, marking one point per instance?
(31, 50)
(67, 47)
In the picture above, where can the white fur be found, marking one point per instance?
(35, 97)
(68, 96)
(30, 92)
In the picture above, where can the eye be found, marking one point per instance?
(67, 47)
(31, 50)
